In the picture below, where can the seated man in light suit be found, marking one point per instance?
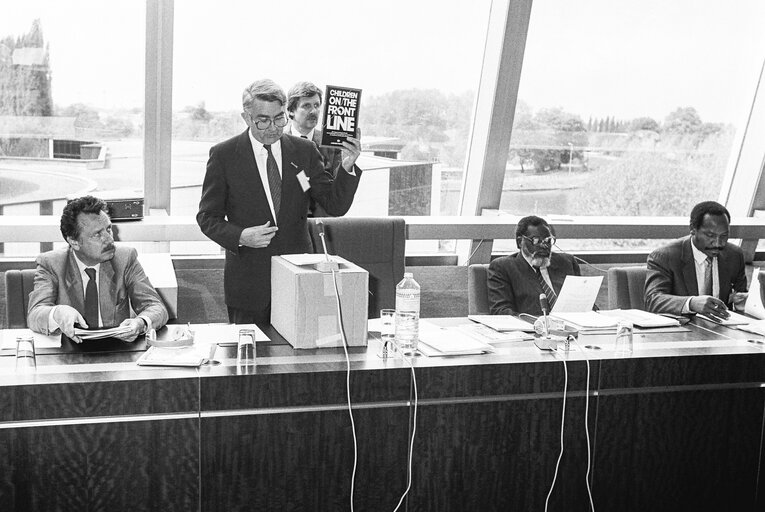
(699, 273)
(516, 281)
(92, 283)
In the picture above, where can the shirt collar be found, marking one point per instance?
(82, 266)
(296, 133)
(698, 255)
(257, 146)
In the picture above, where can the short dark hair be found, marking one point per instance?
(704, 208)
(85, 204)
(263, 90)
(523, 226)
(298, 91)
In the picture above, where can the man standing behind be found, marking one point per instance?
(255, 198)
(303, 108)
(516, 281)
(92, 283)
(699, 273)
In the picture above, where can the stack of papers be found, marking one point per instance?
(503, 323)
(757, 327)
(486, 334)
(588, 321)
(437, 341)
(733, 319)
(641, 318)
(97, 334)
(194, 355)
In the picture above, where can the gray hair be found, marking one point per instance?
(264, 90)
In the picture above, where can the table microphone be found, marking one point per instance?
(327, 265)
(548, 342)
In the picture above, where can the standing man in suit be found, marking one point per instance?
(92, 283)
(700, 273)
(516, 281)
(303, 108)
(255, 198)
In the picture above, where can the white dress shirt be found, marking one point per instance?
(261, 155)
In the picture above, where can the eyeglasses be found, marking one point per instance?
(279, 121)
(538, 240)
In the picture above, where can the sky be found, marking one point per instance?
(595, 58)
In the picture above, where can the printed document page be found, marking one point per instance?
(577, 294)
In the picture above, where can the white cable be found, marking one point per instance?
(347, 382)
(562, 424)
(474, 251)
(411, 444)
(586, 425)
(604, 270)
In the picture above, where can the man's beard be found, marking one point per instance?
(539, 261)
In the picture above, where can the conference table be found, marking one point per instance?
(676, 426)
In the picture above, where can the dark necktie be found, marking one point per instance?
(708, 277)
(274, 179)
(91, 299)
(551, 297)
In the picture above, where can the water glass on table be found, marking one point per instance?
(624, 338)
(25, 354)
(387, 332)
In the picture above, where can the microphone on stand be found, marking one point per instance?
(545, 305)
(327, 265)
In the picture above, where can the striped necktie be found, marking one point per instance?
(274, 179)
(708, 289)
(549, 292)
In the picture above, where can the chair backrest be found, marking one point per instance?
(18, 284)
(374, 243)
(478, 290)
(626, 287)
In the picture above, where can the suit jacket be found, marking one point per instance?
(671, 276)
(332, 159)
(122, 283)
(233, 198)
(514, 287)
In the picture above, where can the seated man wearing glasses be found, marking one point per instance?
(92, 283)
(256, 194)
(516, 281)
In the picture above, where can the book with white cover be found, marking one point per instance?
(641, 318)
(503, 323)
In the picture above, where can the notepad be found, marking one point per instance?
(733, 319)
(641, 318)
(446, 341)
(195, 355)
(503, 322)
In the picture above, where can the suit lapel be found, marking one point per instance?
(689, 268)
(291, 190)
(73, 283)
(723, 267)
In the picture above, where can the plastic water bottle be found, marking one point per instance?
(407, 314)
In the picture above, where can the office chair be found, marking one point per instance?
(18, 285)
(626, 287)
(478, 290)
(375, 244)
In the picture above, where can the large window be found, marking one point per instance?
(631, 107)
(71, 103)
(417, 63)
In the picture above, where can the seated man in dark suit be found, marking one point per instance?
(516, 281)
(699, 273)
(92, 283)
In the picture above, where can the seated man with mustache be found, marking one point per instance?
(516, 281)
(92, 283)
(699, 273)
(304, 109)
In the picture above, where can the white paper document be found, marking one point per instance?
(641, 318)
(194, 355)
(486, 334)
(577, 294)
(733, 319)
(753, 306)
(97, 334)
(446, 341)
(588, 320)
(503, 323)
(757, 327)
